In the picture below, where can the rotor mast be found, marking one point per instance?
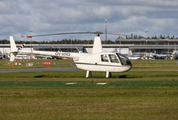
(106, 29)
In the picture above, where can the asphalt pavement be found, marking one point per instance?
(39, 69)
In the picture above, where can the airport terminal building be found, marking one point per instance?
(124, 46)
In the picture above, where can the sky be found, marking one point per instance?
(18, 17)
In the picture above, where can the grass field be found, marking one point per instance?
(81, 74)
(41, 103)
(148, 91)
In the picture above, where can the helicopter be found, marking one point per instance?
(96, 61)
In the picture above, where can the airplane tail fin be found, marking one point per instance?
(13, 49)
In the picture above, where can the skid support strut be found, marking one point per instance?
(88, 74)
(108, 74)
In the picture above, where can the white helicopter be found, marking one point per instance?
(95, 61)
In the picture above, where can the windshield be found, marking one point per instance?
(124, 60)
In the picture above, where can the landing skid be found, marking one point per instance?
(89, 74)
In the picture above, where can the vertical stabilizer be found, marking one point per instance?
(13, 45)
(97, 47)
(13, 49)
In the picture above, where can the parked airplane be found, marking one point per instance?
(1, 55)
(175, 54)
(96, 61)
(4, 56)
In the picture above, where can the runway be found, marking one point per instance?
(39, 69)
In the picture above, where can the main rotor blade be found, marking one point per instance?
(98, 33)
(116, 34)
(62, 34)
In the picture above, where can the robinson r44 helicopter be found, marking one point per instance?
(95, 61)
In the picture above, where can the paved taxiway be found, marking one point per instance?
(39, 69)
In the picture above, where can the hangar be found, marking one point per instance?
(150, 45)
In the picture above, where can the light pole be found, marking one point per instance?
(120, 47)
(71, 43)
(168, 41)
(22, 37)
(146, 41)
(106, 29)
(168, 48)
(31, 55)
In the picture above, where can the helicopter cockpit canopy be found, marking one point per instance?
(116, 58)
(124, 60)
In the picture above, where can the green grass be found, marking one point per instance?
(89, 103)
(135, 95)
(81, 74)
(88, 83)
(156, 64)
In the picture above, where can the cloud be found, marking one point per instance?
(8, 7)
(124, 16)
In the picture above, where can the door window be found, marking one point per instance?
(104, 58)
(113, 58)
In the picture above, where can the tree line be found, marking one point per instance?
(132, 36)
(69, 41)
(64, 41)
